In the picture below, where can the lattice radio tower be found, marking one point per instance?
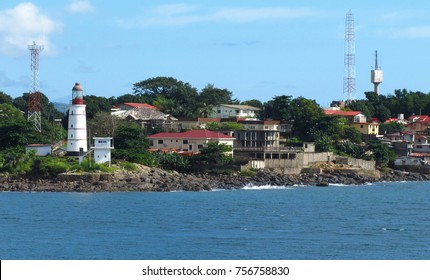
(349, 89)
(34, 108)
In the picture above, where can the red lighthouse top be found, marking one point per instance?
(77, 94)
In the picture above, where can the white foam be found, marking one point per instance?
(265, 187)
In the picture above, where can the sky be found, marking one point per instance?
(256, 49)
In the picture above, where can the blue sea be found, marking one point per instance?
(379, 221)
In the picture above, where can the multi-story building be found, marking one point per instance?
(192, 141)
(235, 111)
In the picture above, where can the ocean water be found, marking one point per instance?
(380, 221)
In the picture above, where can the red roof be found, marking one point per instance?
(191, 134)
(140, 105)
(342, 113)
(209, 119)
(391, 120)
(419, 118)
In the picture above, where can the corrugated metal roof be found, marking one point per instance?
(191, 134)
(240, 107)
(140, 105)
(342, 113)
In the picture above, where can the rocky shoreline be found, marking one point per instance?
(157, 180)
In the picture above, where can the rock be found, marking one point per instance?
(322, 184)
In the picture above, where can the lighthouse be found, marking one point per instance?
(77, 128)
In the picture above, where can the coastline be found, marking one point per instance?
(156, 180)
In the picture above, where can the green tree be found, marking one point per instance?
(306, 115)
(96, 104)
(380, 152)
(391, 127)
(363, 107)
(352, 134)
(130, 136)
(215, 96)
(15, 130)
(253, 102)
(47, 108)
(104, 124)
(279, 108)
(224, 126)
(16, 160)
(131, 98)
(182, 97)
(214, 153)
(4, 98)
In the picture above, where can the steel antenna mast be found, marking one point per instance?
(34, 107)
(349, 88)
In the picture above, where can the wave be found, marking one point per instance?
(265, 187)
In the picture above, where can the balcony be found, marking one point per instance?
(268, 149)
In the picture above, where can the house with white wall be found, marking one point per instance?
(192, 141)
(235, 111)
(357, 120)
(40, 149)
(102, 149)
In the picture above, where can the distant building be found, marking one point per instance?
(192, 141)
(417, 123)
(235, 111)
(195, 123)
(41, 149)
(352, 116)
(102, 149)
(407, 161)
(148, 118)
(132, 105)
(357, 120)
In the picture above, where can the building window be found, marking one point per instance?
(160, 141)
(200, 146)
(219, 111)
(185, 142)
(71, 126)
(361, 126)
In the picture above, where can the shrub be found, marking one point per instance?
(129, 166)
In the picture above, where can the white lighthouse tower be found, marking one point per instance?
(77, 128)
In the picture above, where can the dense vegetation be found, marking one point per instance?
(183, 100)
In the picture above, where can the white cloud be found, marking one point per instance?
(22, 25)
(413, 32)
(80, 7)
(182, 14)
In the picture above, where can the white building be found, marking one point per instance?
(102, 149)
(235, 111)
(41, 149)
(192, 141)
(77, 128)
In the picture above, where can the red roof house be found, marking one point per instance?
(352, 116)
(131, 105)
